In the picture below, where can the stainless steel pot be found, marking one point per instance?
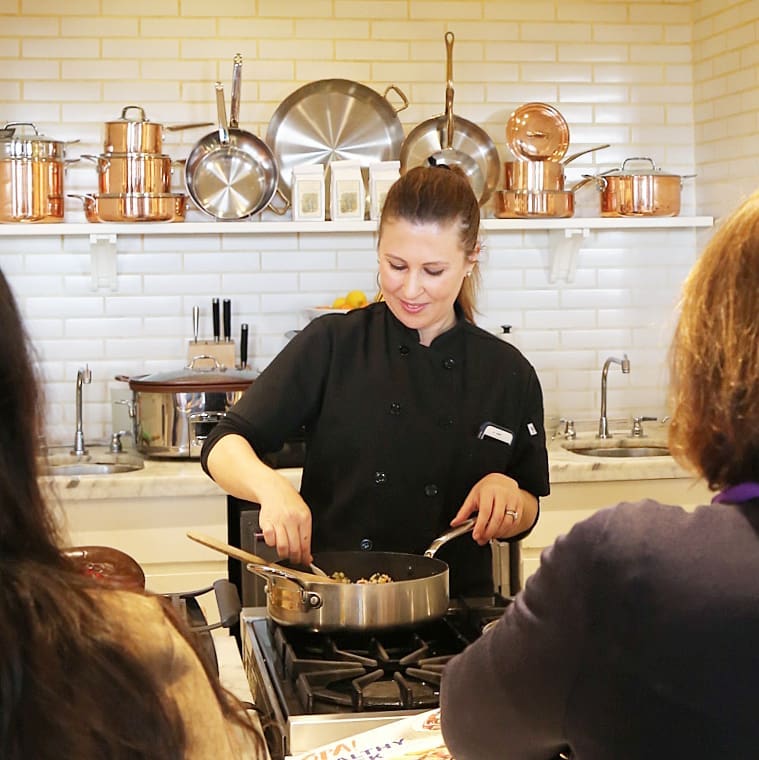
(449, 139)
(32, 169)
(173, 412)
(126, 135)
(120, 173)
(231, 173)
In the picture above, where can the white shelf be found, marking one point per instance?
(257, 227)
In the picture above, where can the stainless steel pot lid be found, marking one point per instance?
(645, 167)
(332, 119)
(13, 144)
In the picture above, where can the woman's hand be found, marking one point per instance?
(503, 508)
(285, 520)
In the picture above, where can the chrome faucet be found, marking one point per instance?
(82, 376)
(603, 422)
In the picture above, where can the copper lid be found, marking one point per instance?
(537, 131)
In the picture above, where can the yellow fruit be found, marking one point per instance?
(339, 303)
(356, 299)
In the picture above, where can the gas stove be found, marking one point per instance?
(316, 688)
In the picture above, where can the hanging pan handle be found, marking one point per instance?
(221, 111)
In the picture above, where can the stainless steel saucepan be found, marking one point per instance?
(417, 593)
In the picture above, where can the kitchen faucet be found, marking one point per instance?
(603, 422)
(82, 376)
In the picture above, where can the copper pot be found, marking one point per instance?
(647, 191)
(518, 204)
(32, 169)
(139, 135)
(530, 175)
(132, 172)
(134, 207)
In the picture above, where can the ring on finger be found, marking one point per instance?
(513, 514)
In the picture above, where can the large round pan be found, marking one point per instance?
(449, 139)
(231, 173)
(333, 119)
(417, 593)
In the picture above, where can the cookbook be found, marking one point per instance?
(417, 737)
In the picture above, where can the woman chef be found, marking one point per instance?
(415, 419)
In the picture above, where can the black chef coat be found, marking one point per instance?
(392, 446)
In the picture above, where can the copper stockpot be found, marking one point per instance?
(646, 191)
(134, 207)
(32, 169)
(518, 204)
(132, 172)
(139, 135)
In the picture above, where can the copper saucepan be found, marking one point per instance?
(140, 135)
(645, 191)
(521, 204)
(132, 172)
(134, 207)
(531, 175)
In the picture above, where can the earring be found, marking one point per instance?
(469, 273)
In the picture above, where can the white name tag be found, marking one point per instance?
(489, 430)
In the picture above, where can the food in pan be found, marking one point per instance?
(339, 575)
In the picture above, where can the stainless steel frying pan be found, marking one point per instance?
(449, 139)
(231, 173)
(332, 119)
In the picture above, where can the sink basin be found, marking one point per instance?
(620, 451)
(94, 462)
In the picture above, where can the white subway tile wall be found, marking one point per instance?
(672, 80)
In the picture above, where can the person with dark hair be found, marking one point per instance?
(87, 671)
(637, 636)
(414, 417)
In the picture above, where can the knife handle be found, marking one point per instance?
(195, 323)
(227, 317)
(215, 317)
(243, 345)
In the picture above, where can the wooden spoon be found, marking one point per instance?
(243, 556)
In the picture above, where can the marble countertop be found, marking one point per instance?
(185, 478)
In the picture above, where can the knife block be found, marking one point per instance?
(223, 352)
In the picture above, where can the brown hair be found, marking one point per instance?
(441, 194)
(715, 356)
(69, 684)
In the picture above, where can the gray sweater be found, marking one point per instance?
(638, 637)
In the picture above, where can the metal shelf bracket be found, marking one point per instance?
(565, 245)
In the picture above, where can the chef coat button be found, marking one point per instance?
(403, 350)
(366, 544)
(380, 478)
(449, 363)
(430, 490)
(395, 408)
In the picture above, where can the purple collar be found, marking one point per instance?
(738, 494)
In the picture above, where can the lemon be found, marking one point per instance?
(356, 299)
(339, 303)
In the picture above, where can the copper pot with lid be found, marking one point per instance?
(139, 135)
(32, 168)
(642, 191)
